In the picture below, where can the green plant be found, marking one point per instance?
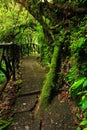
(2, 78)
(19, 81)
(78, 87)
(78, 128)
(83, 104)
(5, 123)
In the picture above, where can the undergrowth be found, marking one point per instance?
(77, 75)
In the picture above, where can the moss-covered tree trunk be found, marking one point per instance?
(49, 84)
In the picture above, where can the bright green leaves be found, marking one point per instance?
(84, 123)
(78, 37)
(47, 21)
(77, 84)
(78, 44)
(85, 84)
(84, 102)
(78, 91)
(85, 129)
(77, 87)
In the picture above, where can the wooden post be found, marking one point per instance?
(13, 61)
(11, 57)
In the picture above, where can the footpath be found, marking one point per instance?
(56, 117)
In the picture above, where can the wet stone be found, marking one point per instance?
(35, 125)
(25, 103)
(21, 121)
(58, 117)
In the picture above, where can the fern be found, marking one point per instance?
(5, 123)
(77, 84)
(85, 84)
(85, 129)
(80, 42)
(78, 89)
(84, 123)
(84, 102)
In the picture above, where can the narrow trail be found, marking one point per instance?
(56, 117)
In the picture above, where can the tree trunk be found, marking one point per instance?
(49, 84)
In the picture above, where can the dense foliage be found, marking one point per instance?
(59, 28)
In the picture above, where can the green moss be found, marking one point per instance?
(49, 84)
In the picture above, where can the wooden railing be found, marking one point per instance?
(9, 59)
(10, 55)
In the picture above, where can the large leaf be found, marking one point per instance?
(85, 129)
(81, 41)
(84, 103)
(77, 84)
(85, 84)
(78, 128)
(83, 122)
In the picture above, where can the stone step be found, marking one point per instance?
(25, 103)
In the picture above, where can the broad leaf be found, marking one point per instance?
(85, 84)
(83, 122)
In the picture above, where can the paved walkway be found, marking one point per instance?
(57, 116)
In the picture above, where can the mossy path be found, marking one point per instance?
(56, 117)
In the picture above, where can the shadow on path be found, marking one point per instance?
(56, 117)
